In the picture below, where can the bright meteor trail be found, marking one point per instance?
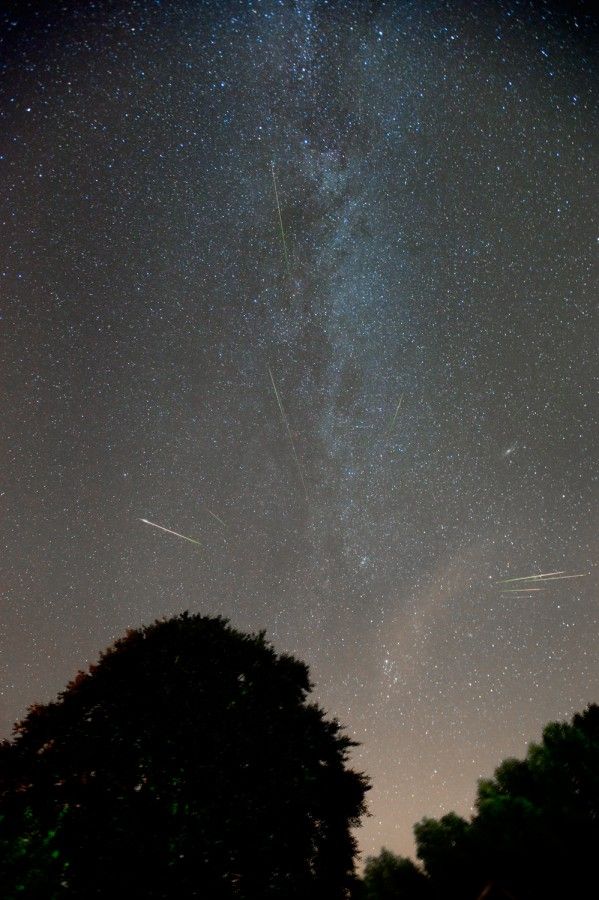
(532, 577)
(542, 579)
(170, 531)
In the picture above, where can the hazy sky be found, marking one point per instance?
(425, 298)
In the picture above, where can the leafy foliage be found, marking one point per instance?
(537, 822)
(535, 833)
(444, 846)
(187, 763)
(391, 877)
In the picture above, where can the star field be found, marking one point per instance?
(426, 304)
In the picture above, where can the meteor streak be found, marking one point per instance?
(290, 436)
(394, 419)
(170, 531)
(218, 518)
(534, 581)
(532, 577)
(520, 590)
(561, 577)
(283, 239)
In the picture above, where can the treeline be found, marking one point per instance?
(534, 834)
(190, 762)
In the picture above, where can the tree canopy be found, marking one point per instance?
(535, 832)
(391, 877)
(187, 763)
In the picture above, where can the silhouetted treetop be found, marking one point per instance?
(535, 833)
(391, 877)
(188, 762)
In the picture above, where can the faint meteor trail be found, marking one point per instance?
(284, 240)
(170, 531)
(218, 518)
(289, 434)
(394, 419)
(520, 590)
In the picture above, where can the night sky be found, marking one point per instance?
(425, 301)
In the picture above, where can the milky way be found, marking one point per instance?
(314, 283)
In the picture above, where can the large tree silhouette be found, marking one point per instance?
(187, 763)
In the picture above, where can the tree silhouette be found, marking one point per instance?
(535, 833)
(444, 845)
(391, 877)
(537, 821)
(187, 763)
